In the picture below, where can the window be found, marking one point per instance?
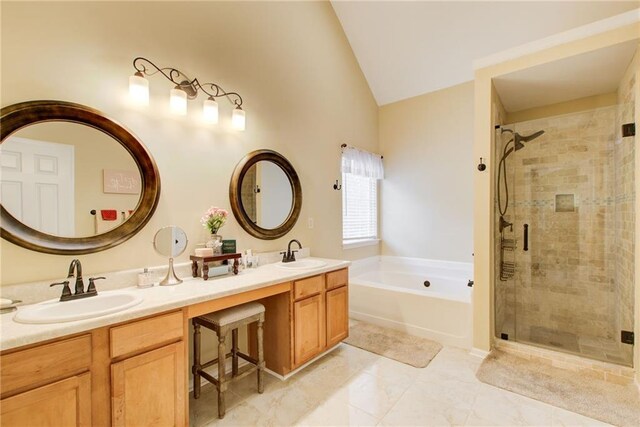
(359, 208)
(360, 173)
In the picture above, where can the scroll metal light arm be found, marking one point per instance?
(145, 67)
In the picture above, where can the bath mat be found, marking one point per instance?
(578, 392)
(396, 345)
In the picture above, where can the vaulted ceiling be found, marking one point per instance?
(407, 48)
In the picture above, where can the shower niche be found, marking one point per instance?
(564, 206)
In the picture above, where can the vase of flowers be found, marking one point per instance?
(213, 220)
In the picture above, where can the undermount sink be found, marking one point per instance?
(55, 311)
(303, 264)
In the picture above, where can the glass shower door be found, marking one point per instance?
(567, 220)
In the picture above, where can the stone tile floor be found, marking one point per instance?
(351, 386)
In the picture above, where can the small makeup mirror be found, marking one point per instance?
(170, 241)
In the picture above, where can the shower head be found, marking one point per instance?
(519, 139)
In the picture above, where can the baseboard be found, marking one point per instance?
(213, 370)
(478, 352)
(298, 369)
(445, 339)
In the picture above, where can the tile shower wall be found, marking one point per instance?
(573, 288)
(624, 153)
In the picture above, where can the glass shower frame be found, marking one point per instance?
(569, 197)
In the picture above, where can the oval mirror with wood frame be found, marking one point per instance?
(265, 194)
(75, 181)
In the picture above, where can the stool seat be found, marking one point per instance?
(234, 314)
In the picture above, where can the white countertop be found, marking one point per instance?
(159, 299)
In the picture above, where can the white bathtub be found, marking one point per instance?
(390, 292)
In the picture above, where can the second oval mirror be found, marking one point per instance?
(265, 194)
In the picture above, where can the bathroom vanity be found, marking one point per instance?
(131, 368)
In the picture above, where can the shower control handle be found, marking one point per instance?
(526, 238)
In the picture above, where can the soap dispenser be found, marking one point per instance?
(145, 279)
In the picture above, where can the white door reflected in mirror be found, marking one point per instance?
(53, 179)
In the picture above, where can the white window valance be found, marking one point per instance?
(362, 163)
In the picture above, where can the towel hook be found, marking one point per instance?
(336, 186)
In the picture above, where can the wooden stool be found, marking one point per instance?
(222, 322)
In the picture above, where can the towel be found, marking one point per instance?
(109, 214)
(108, 220)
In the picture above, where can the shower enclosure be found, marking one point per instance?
(564, 221)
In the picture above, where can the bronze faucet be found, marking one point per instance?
(79, 291)
(75, 265)
(289, 255)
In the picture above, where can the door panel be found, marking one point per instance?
(37, 185)
(309, 336)
(149, 389)
(337, 315)
(63, 403)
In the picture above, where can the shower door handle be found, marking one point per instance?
(526, 237)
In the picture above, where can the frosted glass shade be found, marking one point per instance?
(210, 111)
(238, 119)
(178, 101)
(139, 89)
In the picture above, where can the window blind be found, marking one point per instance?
(359, 207)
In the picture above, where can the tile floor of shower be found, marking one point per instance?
(606, 350)
(350, 386)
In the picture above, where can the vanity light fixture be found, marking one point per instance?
(238, 118)
(178, 101)
(139, 89)
(184, 89)
(210, 111)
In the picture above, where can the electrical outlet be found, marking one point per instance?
(310, 222)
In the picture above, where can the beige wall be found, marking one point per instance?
(303, 90)
(575, 105)
(427, 193)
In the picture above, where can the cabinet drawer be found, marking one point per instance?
(307, 287)
(335, 279)
(144, 334)
(46, 363)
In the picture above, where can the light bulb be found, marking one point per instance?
(139, 89)
(178, 101)
(210, 111)
(238, 119)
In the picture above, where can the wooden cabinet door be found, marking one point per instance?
(63, 403)
(149, 389)
(309, 328)
(337, 315)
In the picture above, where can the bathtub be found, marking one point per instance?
(390, 292)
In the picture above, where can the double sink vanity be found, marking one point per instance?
(131, 367)
(121, 357)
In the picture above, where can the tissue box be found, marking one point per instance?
(218, 270)
(204, 252)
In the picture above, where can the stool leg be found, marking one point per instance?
(234, 352)
(260, 358)
(196, 360)
(222, 384)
